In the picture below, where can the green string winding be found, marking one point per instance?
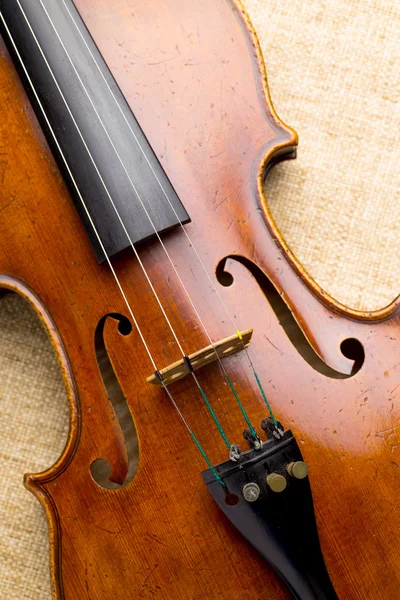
(244, 413)
(204, 455)
(215, 418)
(275, 422)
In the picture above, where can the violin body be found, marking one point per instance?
(194, 77)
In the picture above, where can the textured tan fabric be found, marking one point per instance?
(33, 430)
(334, 76)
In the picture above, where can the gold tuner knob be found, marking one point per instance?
(276, 482)
(298, 469)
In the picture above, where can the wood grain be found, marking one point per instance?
(161, 535)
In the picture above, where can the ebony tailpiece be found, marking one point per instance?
(281, 526)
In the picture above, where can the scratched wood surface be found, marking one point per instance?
(153, 536)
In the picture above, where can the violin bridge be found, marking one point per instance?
(207, 355)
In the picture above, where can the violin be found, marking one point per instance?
(216, 445)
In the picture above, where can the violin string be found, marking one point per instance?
(201, 391)
(222, 366)
(77, 188)
(191, 244)
(196, 441)
(218, 424)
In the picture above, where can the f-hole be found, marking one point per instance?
(101, 468)
(350, 348)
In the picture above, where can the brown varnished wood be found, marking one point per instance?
(193, 76)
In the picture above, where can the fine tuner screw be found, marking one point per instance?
(251, 492)
(298, 469)
(276, 482)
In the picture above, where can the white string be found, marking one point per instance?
(142, 204)
(119, 217)
(222, 366)
(133, 187)
(130, 179)
(91, 222)
(78, 191)
(100, 177)
(214, 287)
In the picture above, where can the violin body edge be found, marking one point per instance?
(59, 284)
(35, 482)
(286, 151)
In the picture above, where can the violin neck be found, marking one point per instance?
(111, 170)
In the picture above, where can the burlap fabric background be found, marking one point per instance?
(333, 70)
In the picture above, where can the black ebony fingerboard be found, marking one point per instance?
(99, 146)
